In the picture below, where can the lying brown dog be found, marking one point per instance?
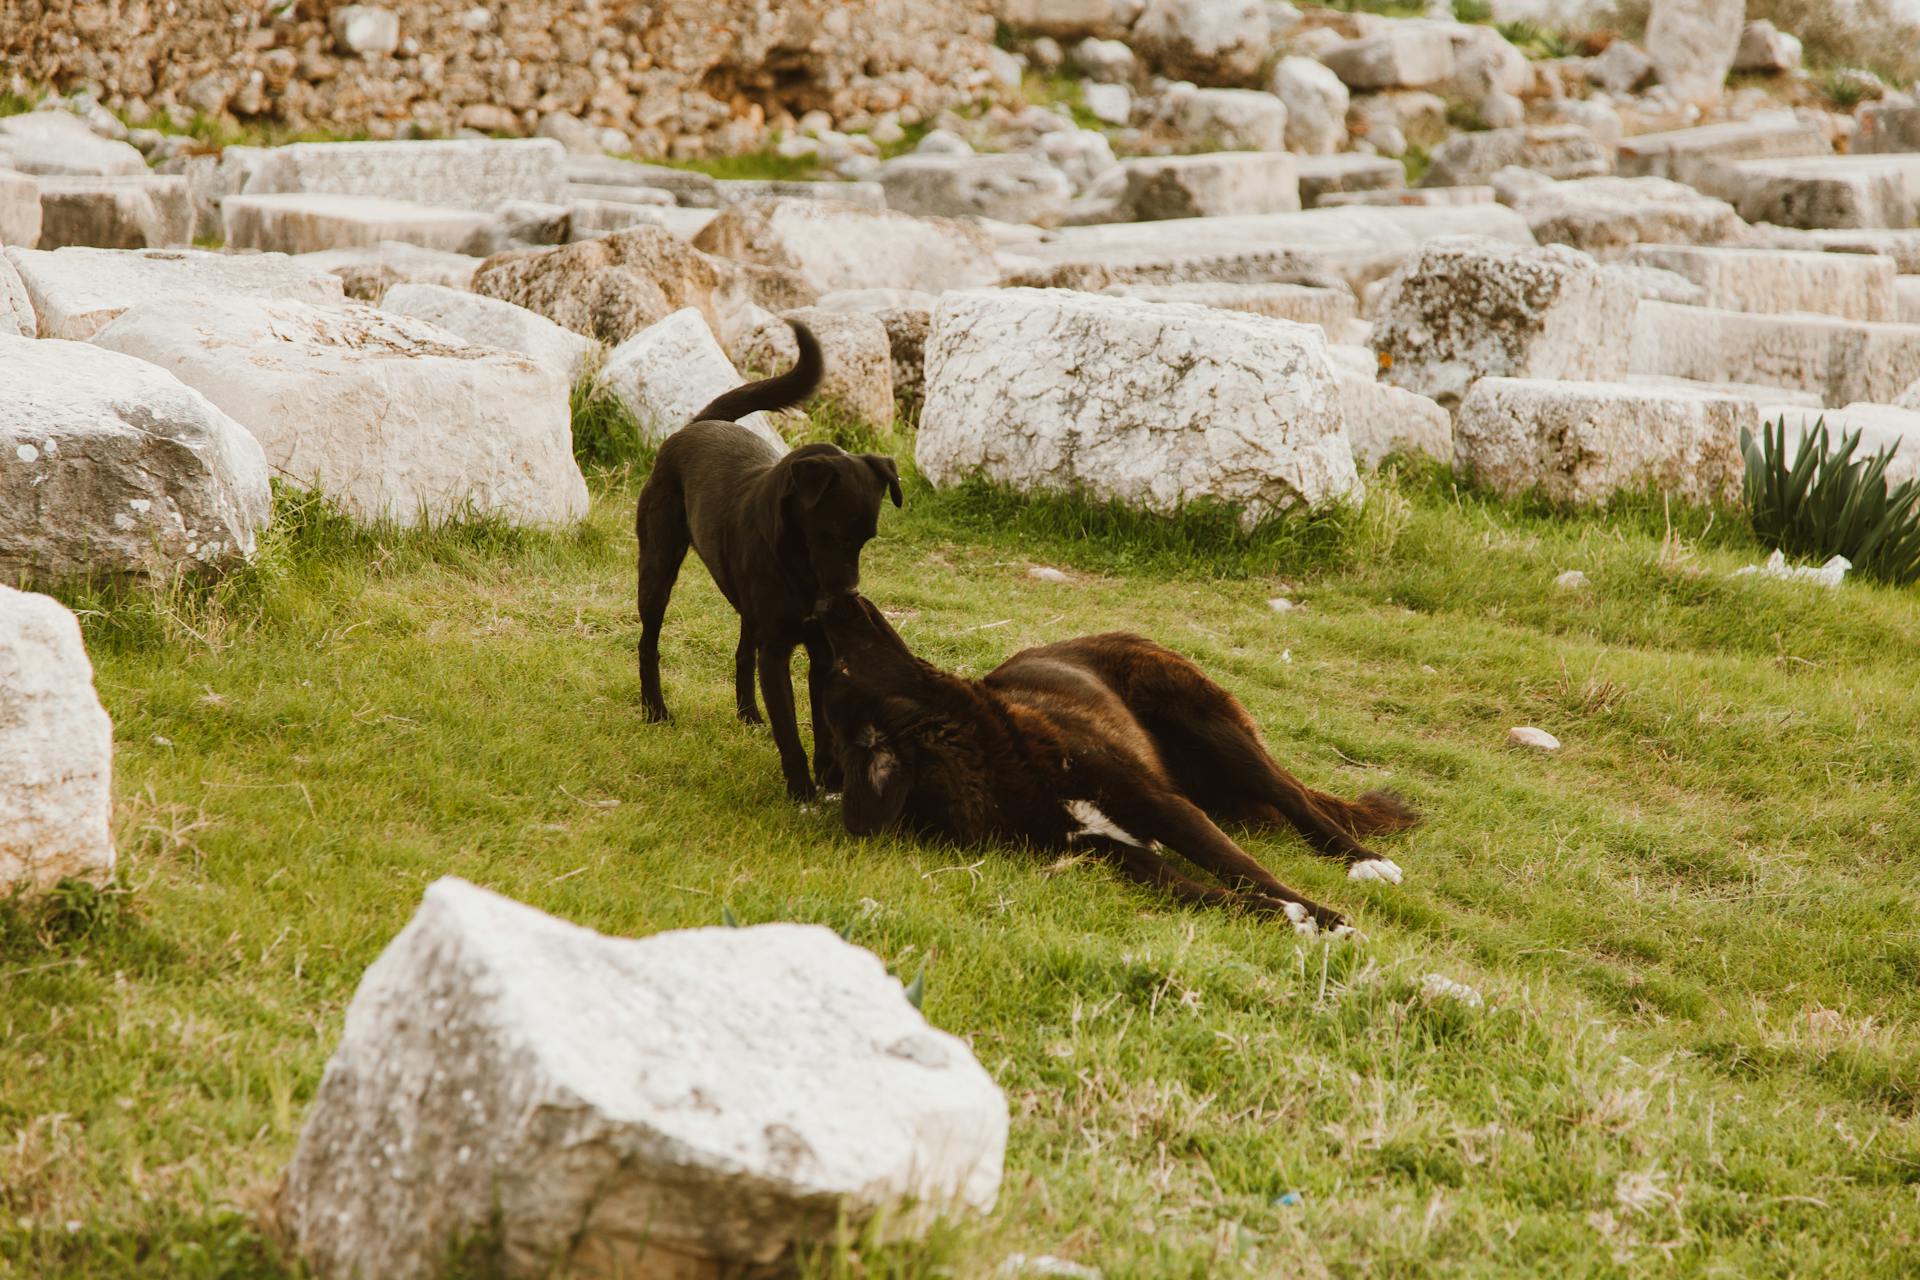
(1109, 743)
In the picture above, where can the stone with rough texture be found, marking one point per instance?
(365, 29)
(1578, 443)
(1887, 127)
(16, 304)
(462, 173)
(835, 246)
(56, 144)
(614, 287)
(1206, 41)
(1674, 154)
(1152, 404)
(1316, 103)
(76, 292)
(1841, 361)
(1658, 285)
(1007, 188)
(391, 417)
(1382, 419)
(1405, 56)
(367, 273)
(1231, 120)
(1607, 216)
(1622, 67)
(1526, 735)
(1069, 19)
(1854, 286)
(1900, 244)
(56, 750)
(1484, 65)
(1417, 197)
(1331, 309)
(1819, 191)
(1765, 48)
(1345, 174)
(1558, 151)
(1214, 184)
(1693, 43)
(148, 211)
(1470, 308)
(19, 208)
(1744, 390)
(857, 352)
(303, 222)
(489, 322)
(669, 371)
(110, 468)
(1906, 296)
(693, 1104)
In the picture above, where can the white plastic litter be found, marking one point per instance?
(1830, 574)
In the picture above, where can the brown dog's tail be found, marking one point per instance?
(1372, 813)
(783, 392)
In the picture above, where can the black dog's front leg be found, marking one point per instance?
(776, 686)
(826, 749)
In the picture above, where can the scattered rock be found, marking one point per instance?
(75, 292)
(1406, 55)
(1316, 103)
(56, 144)
(1215, 184)
(1105, 61)
(1578, 443)
(1765, 48)
(697, 1102)
(1527, 736)
(365, 29)
(855, 344)
(56, 749)
(669, 371)
(1572, 580)
(1207, 41)
(149, 211)
(1469, 307)
(111, 469)
(1437, 986)
(1046, 573)
(1831, 574)
(1854, 286)
(393, 418)
(489, 322)
(1007, 188)
(1108, 103)
(1558, 151)
(1621, 68)
(836, 246)
(1885, 127)
(1151, 404)
(1693, 43)
(367, 273)
(463, 173)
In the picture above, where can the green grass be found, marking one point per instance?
(764, 164)
(1694, 926)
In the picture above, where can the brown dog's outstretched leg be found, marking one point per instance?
(1149, 868)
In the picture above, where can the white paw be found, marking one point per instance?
(831, 797)
(1347, 931)
(1385, 869)
(1302, 922)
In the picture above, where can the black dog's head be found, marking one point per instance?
(832, 502)
(874, 696)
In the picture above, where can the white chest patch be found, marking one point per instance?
(1095, 823)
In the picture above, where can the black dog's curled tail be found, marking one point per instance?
(783, 392)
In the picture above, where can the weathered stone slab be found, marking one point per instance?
(1332, 309)
(1007, 188)
(1819, 191)
(1693, 43)
(1407, 55)
(1770, 281)
(694, 1104)
(1215, 184)
(1558, 151)
(58, 144)
(489, 322)
(1887, 127)
(77, 292)
(1608, 216)
(303, 222)
(464, 173)
(147, 211)
(834, 246)
(669, 371)
(1674, 153)
(19, 209)
(368, 272)
(857, 351)
(1841, 361)
(1347, 172)
(1580, 443)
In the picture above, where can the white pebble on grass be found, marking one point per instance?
(1046, 573)
(1527, 736)
(1572, 580)
(1280, 604)
(1438, 987)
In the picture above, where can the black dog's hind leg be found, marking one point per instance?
(660, 523)
(748, 710)
(776, 686)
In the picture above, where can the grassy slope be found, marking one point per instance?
(1694, 926)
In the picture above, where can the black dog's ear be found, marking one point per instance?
(889, 471)
(879, 778)
(808, 478)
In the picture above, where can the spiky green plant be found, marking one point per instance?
(1820, 502)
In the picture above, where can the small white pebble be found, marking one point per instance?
(159, 741)
(1430, 670)
(1572, 580)
(1286, 655)
(1438, 987)
(1382, 869)
(1526, 735)
(1046, 573)
(1280, 604)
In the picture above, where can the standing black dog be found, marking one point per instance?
(777, 532)
(1108, 743)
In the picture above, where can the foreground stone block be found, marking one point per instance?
(77, 292)
(477, 173)
(1578, 443)
(111, 469)
(392, 418)
(669, 371)
(858, 354)
(613, 287)
(56, 750)
(839, 246)
(692, 1104)
(308, 223)
(1676, 153)
(115, 213)
(19, 208)
(1151, 404)
(1470, 308)
(58, 144)
(489, 322)
(1608, 216)
(1006, 188)
(1215, 184)
(1841, 361)
(1558, 151)
(1771, 281)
